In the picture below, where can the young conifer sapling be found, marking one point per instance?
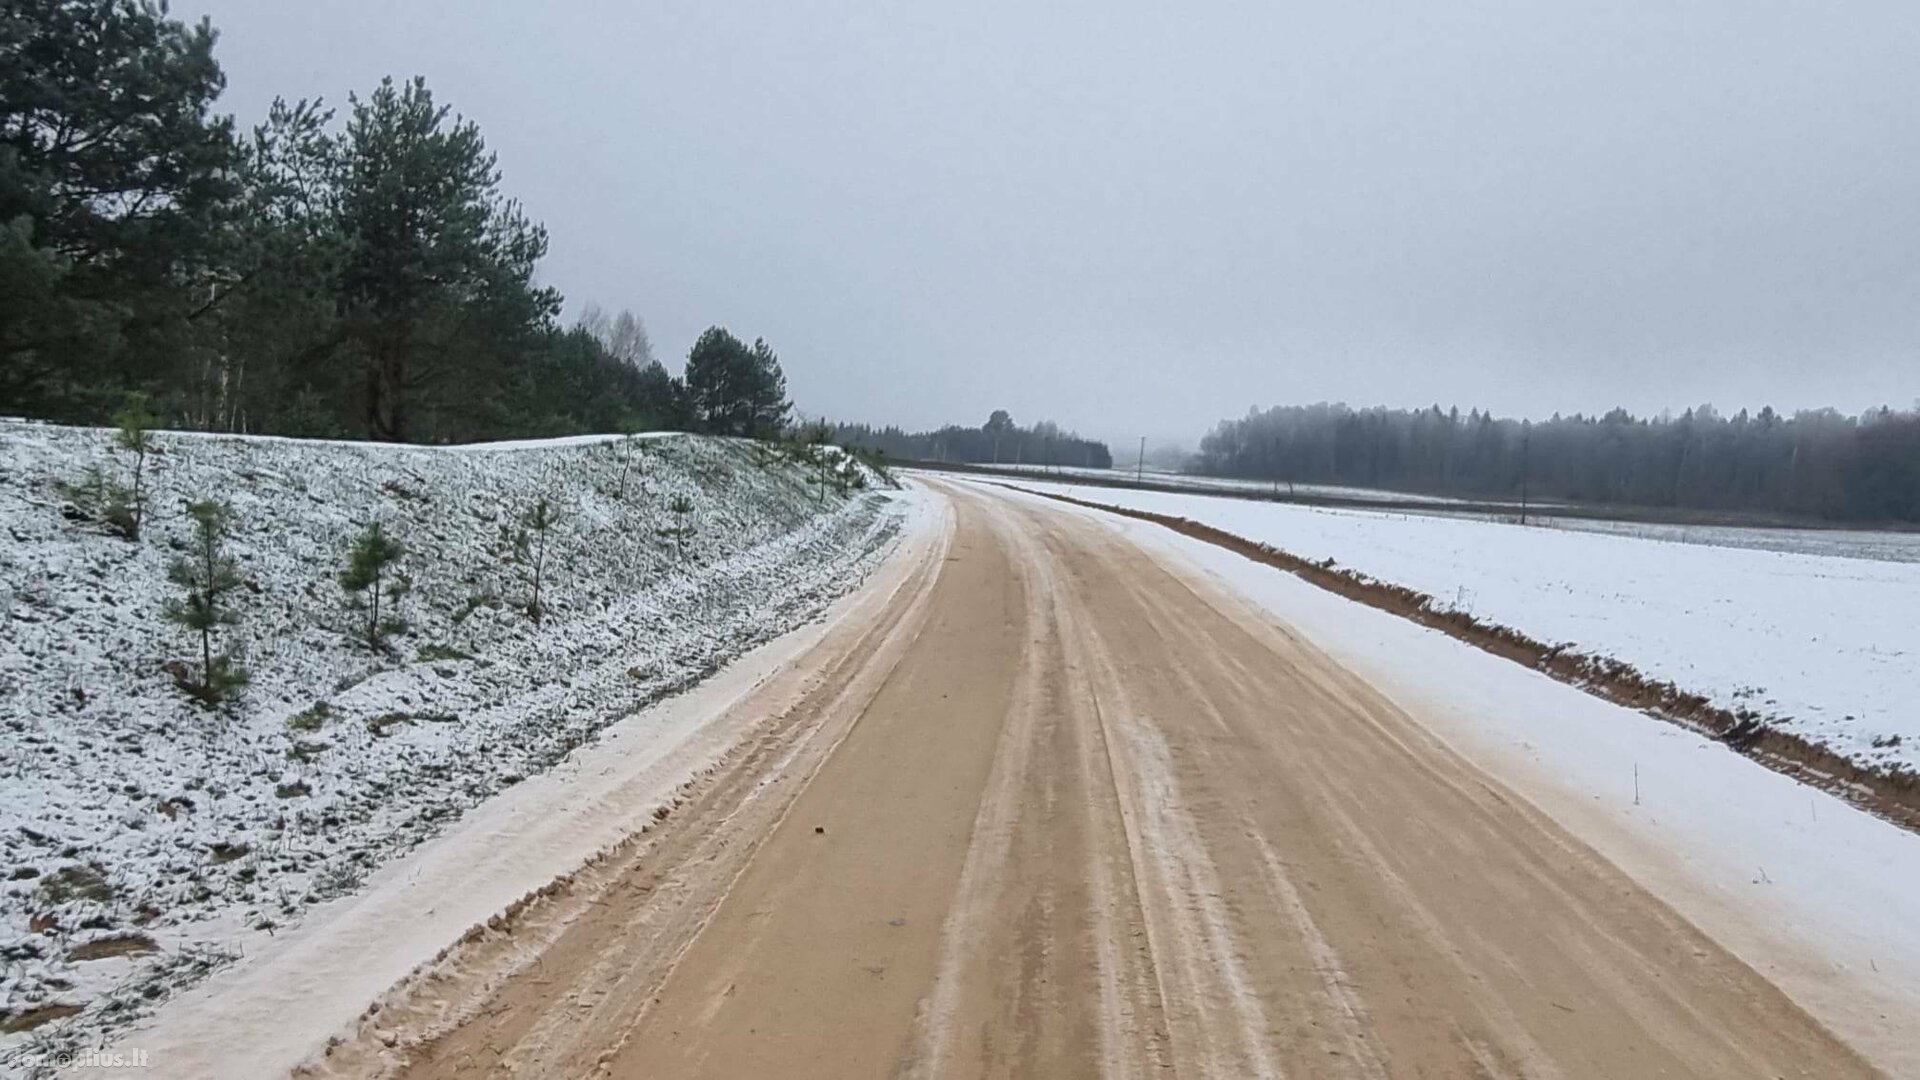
(127, 512)
(367, 574)
(208, 575)
(531, 546)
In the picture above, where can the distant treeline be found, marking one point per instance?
(998, 440)
(1817, 464)
(365, 276)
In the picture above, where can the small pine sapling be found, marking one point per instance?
(126, 508)
(682, 508)
(530, 545)
(629, 427)
(207, 574)
(367, 575)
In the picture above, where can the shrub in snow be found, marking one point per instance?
(94, 498)
(207, 574)
(366, 578)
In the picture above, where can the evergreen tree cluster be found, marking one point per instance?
(999, 440)
(362, 275)
(1813, 464)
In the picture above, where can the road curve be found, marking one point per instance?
(1064, 811)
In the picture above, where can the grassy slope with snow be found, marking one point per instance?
(130, 810)
(1820, 645)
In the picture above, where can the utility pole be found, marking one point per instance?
(1140, 467)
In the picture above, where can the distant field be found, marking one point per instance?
(1879, 545)
(1227, 484)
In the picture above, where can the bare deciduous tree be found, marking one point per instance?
(593, 319)
(628, 339)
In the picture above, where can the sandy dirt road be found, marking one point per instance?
(1066, 812)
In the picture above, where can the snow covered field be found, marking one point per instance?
(148, 839)
(1120, 473)
(1822, 645)
(1840, 543)
(1846, 543)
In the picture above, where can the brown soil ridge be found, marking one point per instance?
(1892, 794)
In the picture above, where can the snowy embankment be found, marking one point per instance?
(1819, 646)
(148, 838)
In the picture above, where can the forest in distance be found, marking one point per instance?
(1815, 465)
(999, 441)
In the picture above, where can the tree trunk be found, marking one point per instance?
(386, 389)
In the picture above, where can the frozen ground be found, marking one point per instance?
(1820, 897)
(1821, 645)
(148, 839)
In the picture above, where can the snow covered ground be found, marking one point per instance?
(1846, 543)
(1821, 645)
(1840, 543)
(148, 839)
(1820, 897)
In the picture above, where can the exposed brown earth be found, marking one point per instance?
(1066, 812)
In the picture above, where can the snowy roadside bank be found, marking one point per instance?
(290, 996)
(1820, 897)
(1812, 645)
(151, 840)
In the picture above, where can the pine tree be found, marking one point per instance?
(736, 389)
(630, 426)
(531, 547)
(207, 574)
(114, 170)
(133, 420)
(682, 508)
(433, 247)
(366, 573)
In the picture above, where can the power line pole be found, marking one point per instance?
(1140, 468)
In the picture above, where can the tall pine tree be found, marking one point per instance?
(434, 251)
(113, 171)
(733, 388)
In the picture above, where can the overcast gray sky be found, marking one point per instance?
(1142, 217)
